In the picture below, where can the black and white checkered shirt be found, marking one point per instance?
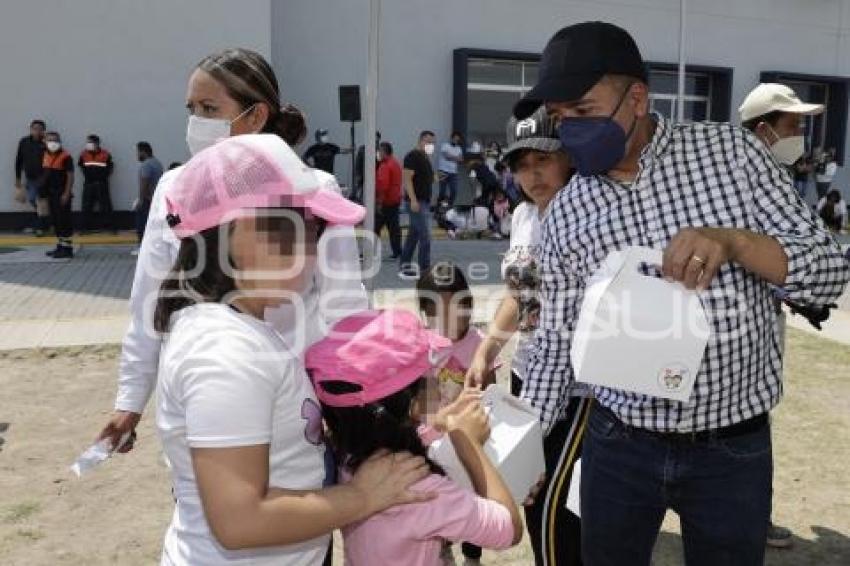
(690, 175)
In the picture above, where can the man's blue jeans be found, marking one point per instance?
(448, 188)
(720, 488)
(418, 233)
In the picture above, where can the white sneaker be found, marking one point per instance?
(134, 252)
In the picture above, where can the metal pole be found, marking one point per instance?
(680, 107)
(353, 160)
(371, 127)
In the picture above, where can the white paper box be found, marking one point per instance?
(638, 332)
(574, 494)
(515, 445)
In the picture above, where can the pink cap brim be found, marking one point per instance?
(333, 207)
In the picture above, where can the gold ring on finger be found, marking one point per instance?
(698, 258)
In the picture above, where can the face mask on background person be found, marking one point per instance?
(53, 146)
(324, 139)
(201, 133)
(787, 150)
(90, 146)
(595, 143)
(428, 148)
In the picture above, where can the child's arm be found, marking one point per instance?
(468, 432)
(501, 329)
(243, 512)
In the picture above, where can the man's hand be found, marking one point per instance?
(414, 206)
(65, 198)
(694, 255)
(121, 423)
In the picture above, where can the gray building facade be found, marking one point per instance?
(119, 68)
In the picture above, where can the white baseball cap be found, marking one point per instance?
(774, 97)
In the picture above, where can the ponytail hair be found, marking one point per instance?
(249, 80)
(289, 123)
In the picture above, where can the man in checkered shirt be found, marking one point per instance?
(730, 224)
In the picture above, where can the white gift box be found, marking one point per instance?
(574, 494)
(638, 332)
(515, 446)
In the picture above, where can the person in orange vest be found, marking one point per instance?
(57, 181)
(96, 165)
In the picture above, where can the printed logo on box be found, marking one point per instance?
(673, 377)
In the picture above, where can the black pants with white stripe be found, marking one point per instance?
(554, 532)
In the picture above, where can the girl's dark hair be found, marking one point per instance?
(211, 284)
(443, 277)
(358, 432)
(249, 79)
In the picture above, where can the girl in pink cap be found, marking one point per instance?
(236, 414)
(368, 374)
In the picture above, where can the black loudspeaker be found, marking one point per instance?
(349, 103)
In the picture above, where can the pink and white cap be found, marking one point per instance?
(378, 352)
(249, 172)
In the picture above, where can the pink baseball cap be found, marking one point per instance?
(379, 351)
(248, 172)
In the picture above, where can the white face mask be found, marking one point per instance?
(324, 139)
(788, 150)
(201, 133)
(90, 146)
(428, 148)
(53, 146)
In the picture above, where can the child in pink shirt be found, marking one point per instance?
(445, 301)
(368, 374)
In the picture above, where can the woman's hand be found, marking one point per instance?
(385, 479)
(119, 424)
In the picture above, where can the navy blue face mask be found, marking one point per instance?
(596, 143)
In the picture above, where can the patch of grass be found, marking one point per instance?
(21, 511)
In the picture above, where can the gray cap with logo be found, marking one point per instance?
(539, 131)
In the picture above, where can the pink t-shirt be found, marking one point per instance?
(456, 362)
(413, 535)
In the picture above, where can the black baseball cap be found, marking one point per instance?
(576, 58)
(539, 132)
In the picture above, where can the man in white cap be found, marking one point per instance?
(776, 115)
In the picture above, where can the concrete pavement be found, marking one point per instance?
(47, 303)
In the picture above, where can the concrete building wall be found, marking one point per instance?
(320, 44)
(117, 68)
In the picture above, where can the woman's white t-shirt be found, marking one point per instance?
(520, 272)
(227, 379)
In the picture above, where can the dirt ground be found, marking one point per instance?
(55, 401)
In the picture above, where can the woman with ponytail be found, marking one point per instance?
(230, 93)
